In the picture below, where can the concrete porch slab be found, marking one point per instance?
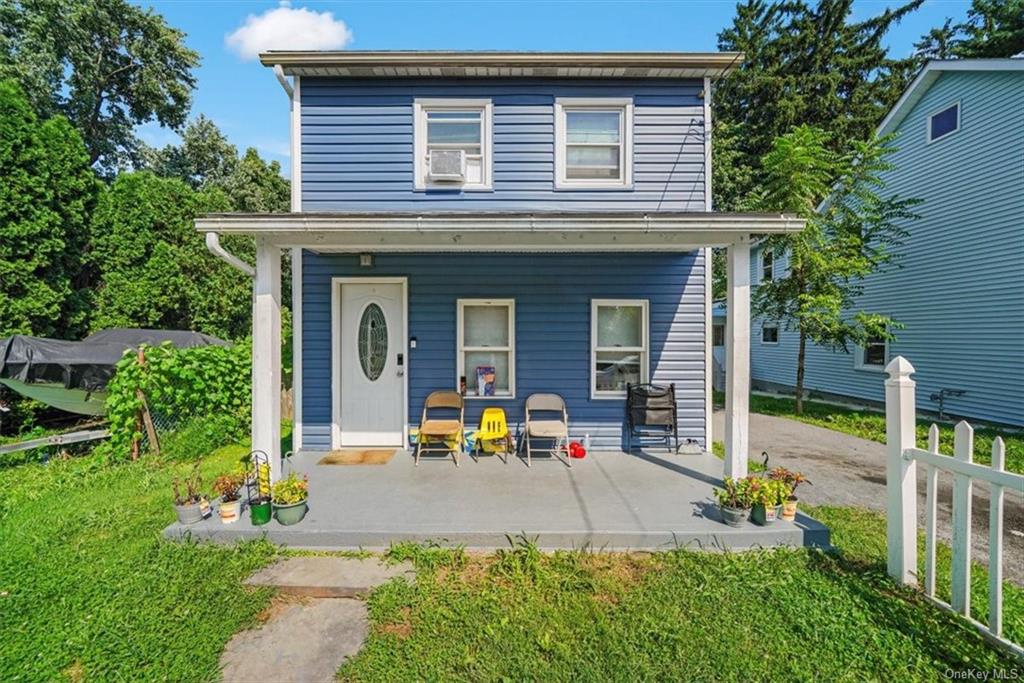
(611, 500)
(330, 577)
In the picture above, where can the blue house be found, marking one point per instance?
(500, 224)
(959, 290)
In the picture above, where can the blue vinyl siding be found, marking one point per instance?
(960, 288)
(357, 145)
(553, 295)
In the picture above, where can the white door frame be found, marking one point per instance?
(336, 284)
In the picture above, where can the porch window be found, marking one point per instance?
(593, 143)
(486, 347)
(873, 355)
(443, 125)
(619, 342)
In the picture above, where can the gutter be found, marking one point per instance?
(213, 244)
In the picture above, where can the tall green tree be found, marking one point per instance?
(204, 157)
(108, 65)
(852, 230)
(803, 64)
(47, 191)
(256, 186)
(153, 266)
(993, 28)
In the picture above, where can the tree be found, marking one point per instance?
(108, 65)
(802, 64)
(993, 28)
(256, 186)
(46, 196)
(204, 157)
(939, 43)
(852, 230)
(154, 268)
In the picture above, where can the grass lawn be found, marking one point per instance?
(870, 424)
(89, 591)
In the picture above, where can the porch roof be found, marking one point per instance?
(499, 230)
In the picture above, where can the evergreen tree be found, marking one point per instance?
(993, 28)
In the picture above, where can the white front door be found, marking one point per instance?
(372, 363)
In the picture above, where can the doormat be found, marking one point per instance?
(357, 456)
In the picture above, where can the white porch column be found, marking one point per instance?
(266, 355)
(737, 364)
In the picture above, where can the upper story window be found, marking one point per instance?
(593, 143)
(767, 265)
(769, 333)
(943, 123)
(452, 144)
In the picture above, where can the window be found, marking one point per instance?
(619, 346)
(486, 339)
(769, 334)
(593, 143)
(873, 355)
(767, 265)
(943, 123)
(451, 124)
(718, 335)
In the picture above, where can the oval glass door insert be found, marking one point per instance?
(373, 342)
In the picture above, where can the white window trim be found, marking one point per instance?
(761, 265)
(859, 364)
(644, 351)
(420, 107)
(626, 159)
(778, 332)
(460, 369)
(928, 122)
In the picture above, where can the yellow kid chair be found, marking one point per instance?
(493, 435)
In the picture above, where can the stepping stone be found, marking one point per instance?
(329, 577)
(307, 641)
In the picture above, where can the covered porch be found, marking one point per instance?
(608, 234)
(610, 500)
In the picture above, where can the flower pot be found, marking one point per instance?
(260, 512)
(734, 516)
(765, 515)
(789, 510)
(190, 513)
(290, 514)
(230, 511)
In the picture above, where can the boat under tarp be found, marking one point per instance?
(73, 375)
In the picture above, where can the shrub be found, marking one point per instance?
(207, 381)
(290, 490)
(736, 493)
(200, 436)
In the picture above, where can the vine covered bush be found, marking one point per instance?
(178, 386)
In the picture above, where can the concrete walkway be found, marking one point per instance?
(850, 471)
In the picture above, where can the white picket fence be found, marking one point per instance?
(901, 487)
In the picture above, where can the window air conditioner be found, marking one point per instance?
(447, 165)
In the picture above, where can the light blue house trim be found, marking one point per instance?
(959, 289)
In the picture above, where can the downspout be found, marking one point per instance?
(213, 244)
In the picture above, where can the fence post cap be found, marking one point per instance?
(899, 367)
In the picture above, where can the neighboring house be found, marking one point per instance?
(959, 286)
(542, 218)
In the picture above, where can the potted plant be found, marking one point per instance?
(768, 496)
(227, 486)
(734, 500)
(792, 480)
(190, 504)
(290, 497)
(260, 507)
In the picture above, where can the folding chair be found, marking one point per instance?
(553, 429)
(441, 429)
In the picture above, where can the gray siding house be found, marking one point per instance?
(959, 289)
(539, 220)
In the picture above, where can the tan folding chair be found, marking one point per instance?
(441, 429)
(549, 428)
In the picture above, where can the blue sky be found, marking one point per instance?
(245, 100)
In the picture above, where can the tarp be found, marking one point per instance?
(87, 364)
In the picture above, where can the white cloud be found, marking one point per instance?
(288, 28)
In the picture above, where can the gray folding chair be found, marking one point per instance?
(544, 426)
(439, 430)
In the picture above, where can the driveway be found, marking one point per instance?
(850, 471)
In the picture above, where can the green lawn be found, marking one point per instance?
(89, 591)
(870, 424)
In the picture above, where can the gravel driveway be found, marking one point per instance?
(847, 470)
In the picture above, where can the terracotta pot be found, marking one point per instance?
(789, 510)
(230, 511)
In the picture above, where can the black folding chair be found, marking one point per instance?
(651, 414)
